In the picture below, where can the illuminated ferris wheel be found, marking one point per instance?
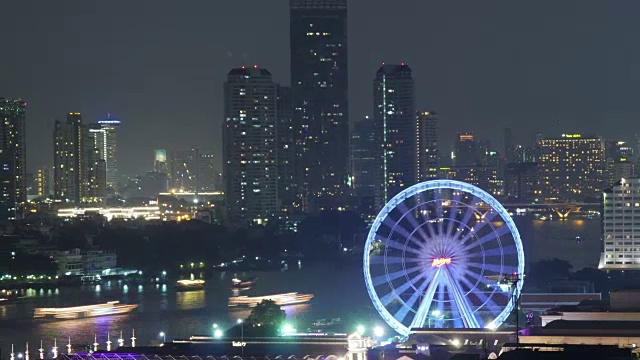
(435, 256)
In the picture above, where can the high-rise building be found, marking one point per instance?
(621, 226)
(68, 137)
(13, 187)
(466, 152)
(319, 81)
(105, 137)
(184, 169)
(521, 181)
(249, 139)
(364, 159)
(43, 185)
(572, 167)
(620, 161)
(427, 149)
(509, 146)
(93, 184)
(160, 161)
(287, 186)
(206, 176)
(395, 129)
(79, 173)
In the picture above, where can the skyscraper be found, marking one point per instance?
(13, 188)
(427, 150)
(287, 189)
(105, 137)
(184, 169)
(67, 158)
(206, 176)
(79, 172)
(621, 226)
(395, 128)
(249, 139)
(466, 150)
(319, 81)
(160, 161)
(365, 166)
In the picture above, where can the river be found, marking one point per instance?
(179, 314)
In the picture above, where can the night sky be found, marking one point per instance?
(158, 65)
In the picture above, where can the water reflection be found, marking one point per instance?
(190, 300)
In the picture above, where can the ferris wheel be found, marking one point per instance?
(437, 255)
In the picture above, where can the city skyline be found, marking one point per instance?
(476, 77)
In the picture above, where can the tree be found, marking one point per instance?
(268, 315)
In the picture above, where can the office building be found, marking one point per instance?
(105, 138)
(365, 165)
(250, 146)
(13, 186)
(160, 161)
(67, 158)
(521, 181)
(572, 168)
(319, 81)
(427, 149)
(184, 169)
(93, 184)
(466, 151)
(206, 176)
(621, 226)
(484, 177)
(287, 186)
(394, 122)
(620, 161)
(43, 184)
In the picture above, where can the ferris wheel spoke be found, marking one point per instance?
(402, 313)
(396, 245)
(453, 212)
(409, 216)
(397, 292)
(425, 304)
(499, 232)
(396, 227)
(466, 312)
(484, 298)
(390, 260)
(381, 279)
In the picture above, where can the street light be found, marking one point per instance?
(215, 326)
(435, 313)
(241, 336)
(360, 330)
(378, 331)
(163, 336)
(217, 333)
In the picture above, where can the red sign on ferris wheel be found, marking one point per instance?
(438, 262)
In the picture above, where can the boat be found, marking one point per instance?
(280, 299)
(78, 312)
(190, 285)
(243, 285)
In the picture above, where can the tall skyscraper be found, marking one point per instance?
(427, 150)
(466, 150)
(13, 187)
(572, 167)
(105, 137)
(249, 139)
(365, 165)
(160, 161)
(67, 158)
(287, 187)
(395, 128)
(79, 170)
(184, 169)
(206, 176)
(319, 81)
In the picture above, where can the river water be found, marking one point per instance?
(337, 291)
